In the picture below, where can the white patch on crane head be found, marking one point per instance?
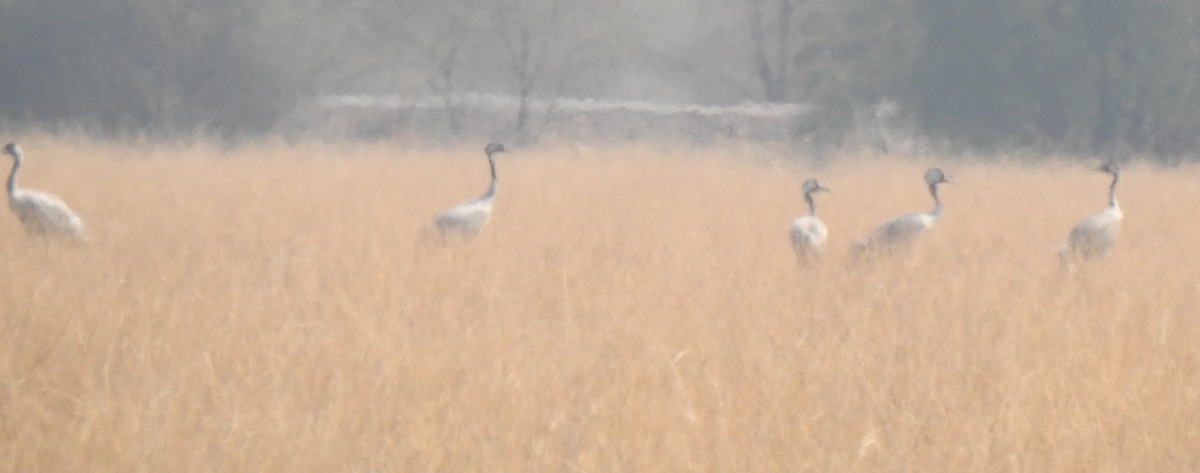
(812, 185)
(935, 176)
(493, 148)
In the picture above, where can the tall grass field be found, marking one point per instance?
(280, 308)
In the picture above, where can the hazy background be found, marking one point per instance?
(634, 303)
(1067, 76)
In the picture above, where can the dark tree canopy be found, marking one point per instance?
(1045, 75)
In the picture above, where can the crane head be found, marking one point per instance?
(812, 185)
(493, 148)
(1110, 167)
(935, 176)
(13, 149)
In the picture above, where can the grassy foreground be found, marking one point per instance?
(275, 308)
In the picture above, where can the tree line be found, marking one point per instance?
(1082, 76)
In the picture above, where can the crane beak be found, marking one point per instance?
(823, 188)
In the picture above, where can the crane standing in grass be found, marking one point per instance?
(466, 220)
(808, 232)
(903, 231)
(1093, 238)
(42, 214)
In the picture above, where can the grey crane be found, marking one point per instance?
(466, 220)
(808, 232)
(42, 214)
(902, 232)
(1093, 238)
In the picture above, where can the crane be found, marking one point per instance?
(466, 220)
(808, 232)
(41, 214)
(902, 232)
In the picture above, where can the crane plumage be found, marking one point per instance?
(1093, 238)
(808, 232)
(466, 220)
(40, 213)
(903, 231)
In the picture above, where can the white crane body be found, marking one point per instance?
(465, 220)
(901, 231)
(1094, 236)
(809, 233)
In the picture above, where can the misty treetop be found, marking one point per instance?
(1059, 75)
(1092, 74)
(125, 65)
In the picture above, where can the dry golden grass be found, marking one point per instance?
(273, 308)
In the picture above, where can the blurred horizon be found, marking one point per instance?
(1076, 77)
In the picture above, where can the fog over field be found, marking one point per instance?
(1115, 78)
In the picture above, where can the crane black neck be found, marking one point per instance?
(491, 192)
(937, 203)
(492, 164)
(12, 176)
(1112, 190)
